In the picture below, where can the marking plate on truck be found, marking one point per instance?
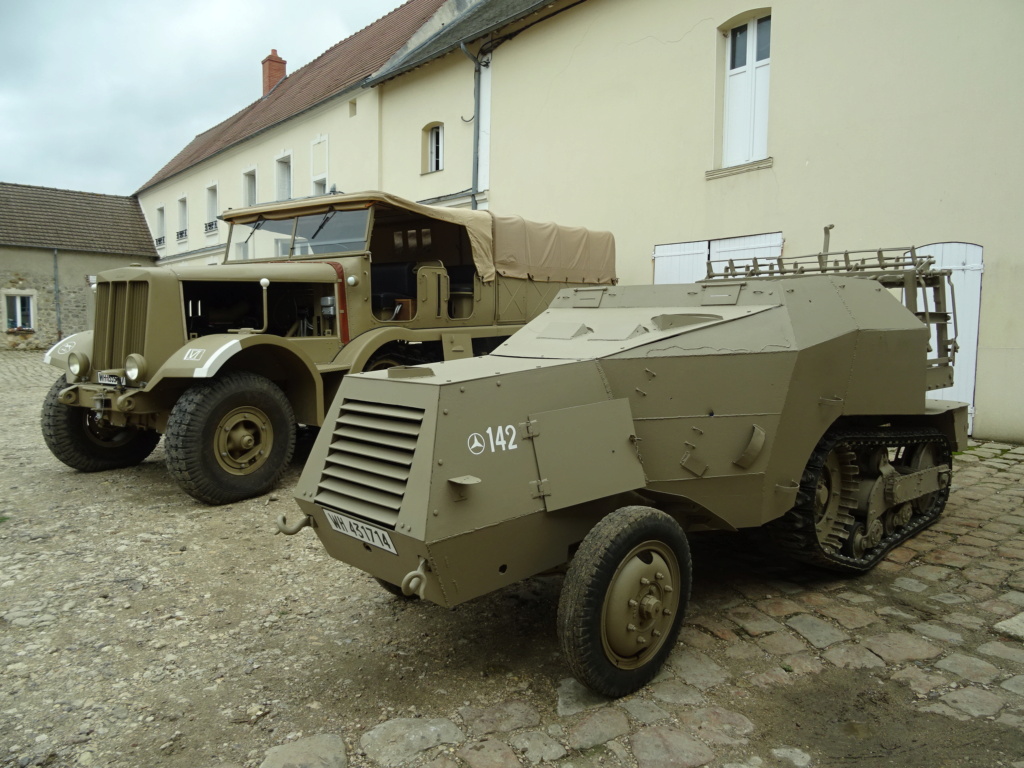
(368, 534)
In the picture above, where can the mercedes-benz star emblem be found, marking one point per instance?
(476, 443)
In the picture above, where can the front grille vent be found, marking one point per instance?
(368, 464)
(121, 308)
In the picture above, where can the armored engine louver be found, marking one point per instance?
(367, 468)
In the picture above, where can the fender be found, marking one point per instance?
(57, 355)
(266, 354)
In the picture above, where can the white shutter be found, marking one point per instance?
(680, 262)
(965, 260)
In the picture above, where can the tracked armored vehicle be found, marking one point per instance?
(225, 360)
(788, 395)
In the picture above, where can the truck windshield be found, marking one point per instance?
(331, 232)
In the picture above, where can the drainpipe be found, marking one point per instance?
(56, 294)
(476, 125)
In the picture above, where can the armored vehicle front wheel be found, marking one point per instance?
(623, 600)
(83, 442)
(230, 438)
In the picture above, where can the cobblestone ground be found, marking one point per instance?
(140, 628)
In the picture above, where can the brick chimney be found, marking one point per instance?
(273, 71)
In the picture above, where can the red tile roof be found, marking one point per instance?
(346, 64)
(43, 217)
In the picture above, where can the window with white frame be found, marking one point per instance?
(210, 227)
(160, 227)
(249, 187)
(320, 186)
(182, 231)
(433, 148)
(19, 310)
(284, 177)
(747, 77)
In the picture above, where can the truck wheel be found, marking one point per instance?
(392, 355)
(230, 438)
(623, 600)
(77, 438)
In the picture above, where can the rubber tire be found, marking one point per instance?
(580, 606)
(391, 356)
(70, 436)
(191, 437)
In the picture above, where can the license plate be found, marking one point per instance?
(368, 534)
(109, 378)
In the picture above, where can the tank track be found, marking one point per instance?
(795, 532)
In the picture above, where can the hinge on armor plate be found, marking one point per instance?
(529, 429)
(540, 489)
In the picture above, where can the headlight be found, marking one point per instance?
(78, 364)
(135, 368)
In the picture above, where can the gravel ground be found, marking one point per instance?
(141, 628)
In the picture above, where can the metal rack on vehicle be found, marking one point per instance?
(924, 288)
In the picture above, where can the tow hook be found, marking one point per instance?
(415, 582)
(291, 530)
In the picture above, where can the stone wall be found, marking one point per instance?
(31, 271)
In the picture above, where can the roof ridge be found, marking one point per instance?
(61, 189)
(354, 59)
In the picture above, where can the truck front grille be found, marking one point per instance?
(367, 467)
(120, 322)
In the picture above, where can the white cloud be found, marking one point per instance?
(98, 96)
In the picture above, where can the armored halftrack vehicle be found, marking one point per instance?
(788, 395)
(225, 360)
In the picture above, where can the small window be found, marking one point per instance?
(284, 177)
(160, 228)
(182, 232)
(433, 148)
(745, 122)
(19, 311)
(320, 186)
(212, 210)
(249, 187)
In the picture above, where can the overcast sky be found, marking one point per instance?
(97, 95)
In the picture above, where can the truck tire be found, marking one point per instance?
(73, 435)
(623, 600)
(230, 438)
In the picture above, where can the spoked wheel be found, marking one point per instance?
(831, 497)
(624, 598)
(926, 456)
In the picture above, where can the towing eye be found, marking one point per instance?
(291, 530)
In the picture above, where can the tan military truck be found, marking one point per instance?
(789, 395)
(225, 360)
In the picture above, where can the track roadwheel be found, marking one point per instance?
(78, 439)
(623, 600)
(230, 438)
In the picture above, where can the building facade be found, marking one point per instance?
(692, 130)
(53, 243)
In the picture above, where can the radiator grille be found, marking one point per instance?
(367, 467)
(120, 322)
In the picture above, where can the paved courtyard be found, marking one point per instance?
(138, 627)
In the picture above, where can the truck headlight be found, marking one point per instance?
(78, 364)
(135, 368)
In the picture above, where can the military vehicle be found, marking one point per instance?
(788, 395)
(226, 359)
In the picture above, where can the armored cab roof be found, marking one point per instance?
(704, 318)
(508, 246)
